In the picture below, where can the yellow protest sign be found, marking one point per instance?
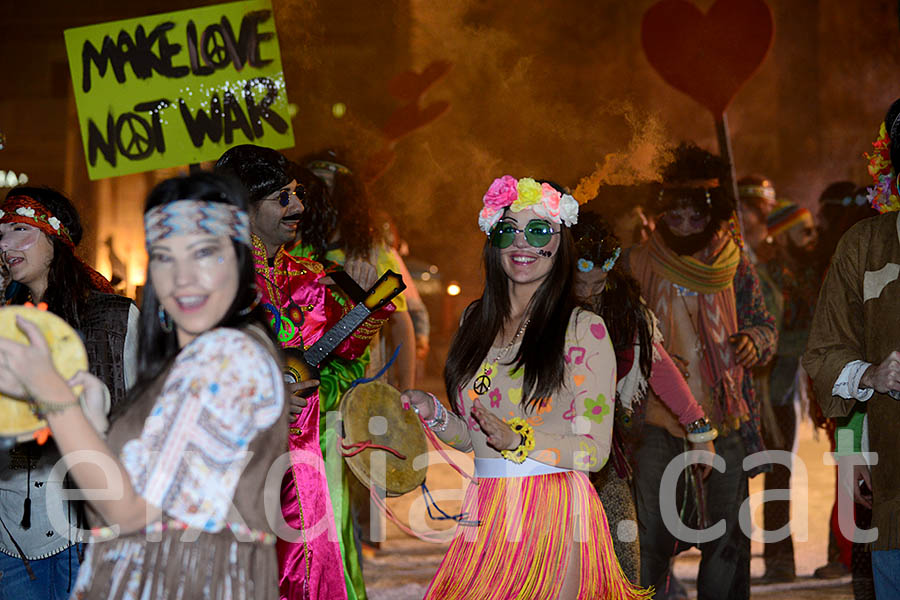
(178, 88)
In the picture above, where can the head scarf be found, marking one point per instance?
(186, 217)
(25, 209)
(785, 216)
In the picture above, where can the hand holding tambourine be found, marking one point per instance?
(37, 349)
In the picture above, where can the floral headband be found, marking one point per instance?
(186, 217)
(542, 198)
(25, 209)
(586, 265)
(883, 195)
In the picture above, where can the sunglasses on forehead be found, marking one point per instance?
(537, 233)
(284, 196)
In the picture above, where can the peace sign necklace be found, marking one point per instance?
(483, 382)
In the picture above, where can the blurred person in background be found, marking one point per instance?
(204, 423)
(627, 210)
(643, 367)
(841, 205)
(792, 270)
(341, 227)
(39, 231)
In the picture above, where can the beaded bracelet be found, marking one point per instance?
(42, 408)
(701, 431)
(440, 419)
(526, 431)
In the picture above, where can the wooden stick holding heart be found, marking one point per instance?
(709, 56)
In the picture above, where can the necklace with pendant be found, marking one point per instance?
(483, 382)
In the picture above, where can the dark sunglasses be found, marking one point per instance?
(537, 233)
(284, 196)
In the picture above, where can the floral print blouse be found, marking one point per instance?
(573, 428)
(223, 390)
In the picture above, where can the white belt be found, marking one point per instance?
(500, 467)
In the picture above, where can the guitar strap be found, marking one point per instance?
(348, 286)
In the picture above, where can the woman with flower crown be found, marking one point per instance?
(531, 378)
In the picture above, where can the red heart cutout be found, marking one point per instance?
(409, 85)
(708, 56)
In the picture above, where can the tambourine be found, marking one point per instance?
(375, 422)
(18, 423)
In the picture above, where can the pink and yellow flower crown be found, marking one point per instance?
(545, 200)
(883, 195)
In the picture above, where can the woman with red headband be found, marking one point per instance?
(39, 230)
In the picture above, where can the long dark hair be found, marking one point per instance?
(157, 347)
(68, 282)
(343, 207)
(625, 316)
(542, 352)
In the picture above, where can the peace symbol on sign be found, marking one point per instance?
(213, 45)
(133, 143)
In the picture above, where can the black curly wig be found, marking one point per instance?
(343, 210)
(620, 303)
(261, 170)
(695, 178)
(594, 238)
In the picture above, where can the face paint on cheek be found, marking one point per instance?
(212, 273)
(20, 241)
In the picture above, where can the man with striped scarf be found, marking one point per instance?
(696, 278)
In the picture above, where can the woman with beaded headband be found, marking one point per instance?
(39, 230)
(642, 366)
(206, 422)
(531, 378)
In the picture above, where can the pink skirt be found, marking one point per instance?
(522, 546)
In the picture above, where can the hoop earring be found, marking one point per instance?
(165, 321)
(249, 309)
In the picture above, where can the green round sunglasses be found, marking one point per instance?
(538, 233)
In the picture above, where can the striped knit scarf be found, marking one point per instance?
(689, 272)
(717, 318)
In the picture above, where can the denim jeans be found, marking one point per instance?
(886, 573)
(725, 561)
(55, 576)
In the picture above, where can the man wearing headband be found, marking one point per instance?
(793, 274)
(853, 357)
(39, 230)
(707, 296)
(756, 199)
(302, 308)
